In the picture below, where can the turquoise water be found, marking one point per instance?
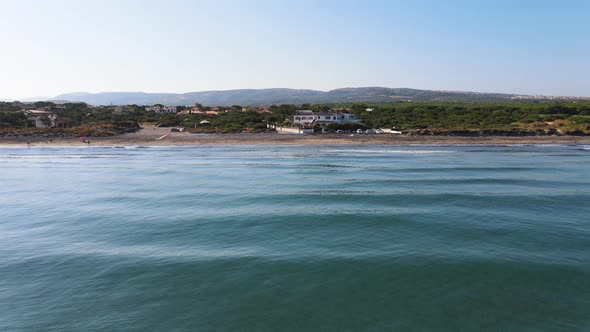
(295, 238)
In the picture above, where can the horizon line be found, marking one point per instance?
(48, 98)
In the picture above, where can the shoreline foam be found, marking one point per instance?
(176, 139)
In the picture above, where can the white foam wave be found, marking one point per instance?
(57, 157)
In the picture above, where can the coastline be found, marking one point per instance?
(185, 139)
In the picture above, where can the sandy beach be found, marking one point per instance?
(163, 136)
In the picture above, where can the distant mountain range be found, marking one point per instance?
(257, 97)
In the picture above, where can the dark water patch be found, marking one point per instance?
(460, 181)
(435, 169)
(334, 294)
(566, 154)
(318, 198)
(337, 191)
(323, 165)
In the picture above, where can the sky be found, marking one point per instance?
(61, 46)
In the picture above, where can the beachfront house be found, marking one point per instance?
(307, 117)
(44, 118)
(40, 117)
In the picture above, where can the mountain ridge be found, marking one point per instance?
(257, 97)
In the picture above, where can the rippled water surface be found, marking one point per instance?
(295, 238)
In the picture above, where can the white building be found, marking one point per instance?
(311, 118)
(41, 118)
(161, 109)
(304, 112)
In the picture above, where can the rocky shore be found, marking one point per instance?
(99, 130)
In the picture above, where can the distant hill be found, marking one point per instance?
(256, 97)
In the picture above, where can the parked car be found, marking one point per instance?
(339, 131)
(360, 131)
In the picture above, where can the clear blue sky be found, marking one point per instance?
(57, 46)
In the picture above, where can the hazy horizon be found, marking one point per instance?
(531, 47)
(40, 98)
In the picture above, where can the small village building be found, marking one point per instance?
(61, 122)
(304, 112)
(190, 111)
(41, 118)
(124, 109)
(44, 118)
(204, 123)
(263, 110)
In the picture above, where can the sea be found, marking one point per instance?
(295, 238)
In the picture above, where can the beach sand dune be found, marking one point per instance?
(150, 135)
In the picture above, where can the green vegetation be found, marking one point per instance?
(13, 120)
(80, 118)
(413, 117)
(10, 117)
(476, 116)
(461, 116)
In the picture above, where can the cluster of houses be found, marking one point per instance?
(202, 111)
(217, 110)
(197, 110)
(48, 117)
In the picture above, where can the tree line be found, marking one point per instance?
(400, 115)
